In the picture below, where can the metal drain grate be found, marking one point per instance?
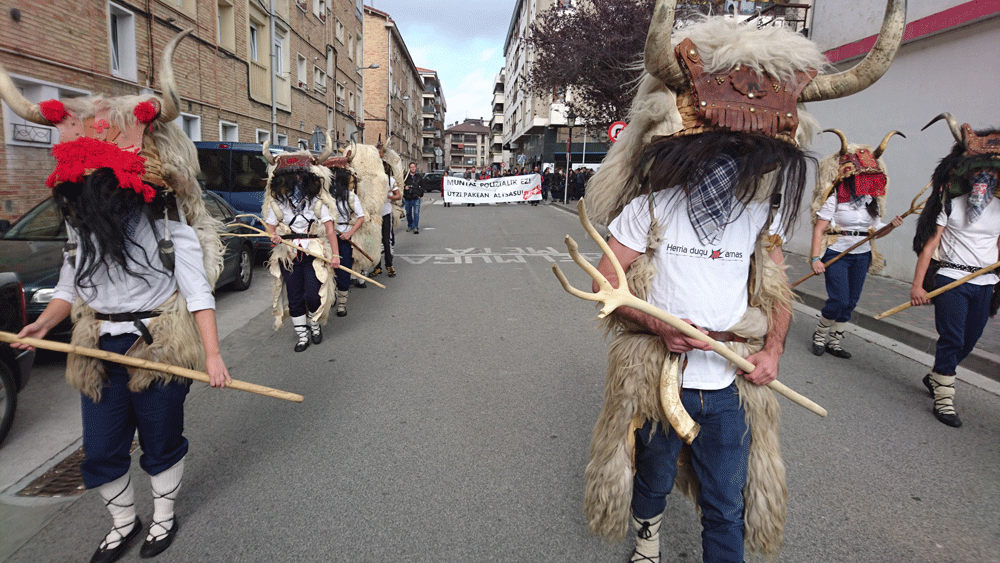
(63, 480)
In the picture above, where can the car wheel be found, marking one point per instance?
(244, 270)
(8, 400)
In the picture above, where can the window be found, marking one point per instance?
(339, 30)
(225, 25)
(229, 132)
(279, 51)
(282, 139)
(360, 51)
(350, 102)
(350, 47)
(300, 63)
(191, 125)
(254, 38)
(319, 79)
(319, 9)
(18, 131)
(340, 94)
(263, 135)
(121, 33)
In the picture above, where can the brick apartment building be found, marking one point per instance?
(224, 71)
(467, 145)
(432, 114)
(394, 90)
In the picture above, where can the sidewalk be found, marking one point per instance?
(913, 327)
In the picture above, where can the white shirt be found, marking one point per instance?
(344, 221)
(117, 292)
(850, 216)
(970, 245)
(298, 218)
(387, 206)
(706, 284)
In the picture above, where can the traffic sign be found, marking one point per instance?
(521, 159)
(615, 130)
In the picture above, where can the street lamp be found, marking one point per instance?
(373, 65)
(570, 120)
(388, 114)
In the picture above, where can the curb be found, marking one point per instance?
(979, 361)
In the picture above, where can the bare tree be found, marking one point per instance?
(594, 50)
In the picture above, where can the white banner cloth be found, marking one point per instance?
(496, 190)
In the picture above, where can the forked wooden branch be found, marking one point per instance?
(914, 208)
(612, 298)
(940, 290)
(147, 364)
(303, 250)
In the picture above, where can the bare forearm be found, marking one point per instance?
(205, 319)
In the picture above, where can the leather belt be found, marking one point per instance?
(961, 267)
(296, 235)
(852, 233)
(725, 336)
(134, 318)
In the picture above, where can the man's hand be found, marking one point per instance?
(767, 367)
(918, 296)
(33, 330)
(218, 375)
(676, 341)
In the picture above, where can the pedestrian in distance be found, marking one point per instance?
(412, 192)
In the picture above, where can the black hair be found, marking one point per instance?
(681, 161)
(105, 216)
(340, 189)
(283, 185)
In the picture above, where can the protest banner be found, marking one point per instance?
(495, 190)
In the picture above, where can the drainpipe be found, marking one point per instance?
(274, 85)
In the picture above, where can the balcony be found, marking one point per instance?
(32, 134)
(792, 16)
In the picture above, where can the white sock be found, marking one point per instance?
(165, 486)
(647, 541)
(119, 498)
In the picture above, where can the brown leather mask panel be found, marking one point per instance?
(975, 145)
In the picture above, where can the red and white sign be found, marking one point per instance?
(615, 130)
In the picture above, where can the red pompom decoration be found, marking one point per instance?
(75, 159)
(53, 110)
(145, 112)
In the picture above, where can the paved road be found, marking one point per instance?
(448, 418)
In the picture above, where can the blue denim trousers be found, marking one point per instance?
(845, 279)
(412, 207)
(719, 458)
(302, 285)
(346, 252)
(109, 424)
(960, 315)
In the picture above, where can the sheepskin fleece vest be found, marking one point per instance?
(176, 340)
(282, 256)
(631, 397)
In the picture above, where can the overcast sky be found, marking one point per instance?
(462, 40)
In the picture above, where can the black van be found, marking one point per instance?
(238, 173)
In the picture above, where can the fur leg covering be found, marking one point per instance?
(341, 303)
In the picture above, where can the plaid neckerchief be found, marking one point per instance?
(711, 200)
(983, 184)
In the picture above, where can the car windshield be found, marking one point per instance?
(41, 223)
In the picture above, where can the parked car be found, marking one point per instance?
(238, 173)
(15, 365)
(433, 182)
(32, 247)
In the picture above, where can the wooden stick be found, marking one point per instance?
(914, 207)
(146, 364)
(309, 252)
(940, 290)
(612, 298)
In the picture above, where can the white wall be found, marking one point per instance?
(838, 22)
(954, 72)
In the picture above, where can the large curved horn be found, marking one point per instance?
(661, 61)
(843, 139)
(19, 104)
(326, 151)
(874, 65)
(267, 152)
(885, 142)
(170, 108)
(956, 131)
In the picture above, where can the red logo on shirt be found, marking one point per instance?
(716, 254)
